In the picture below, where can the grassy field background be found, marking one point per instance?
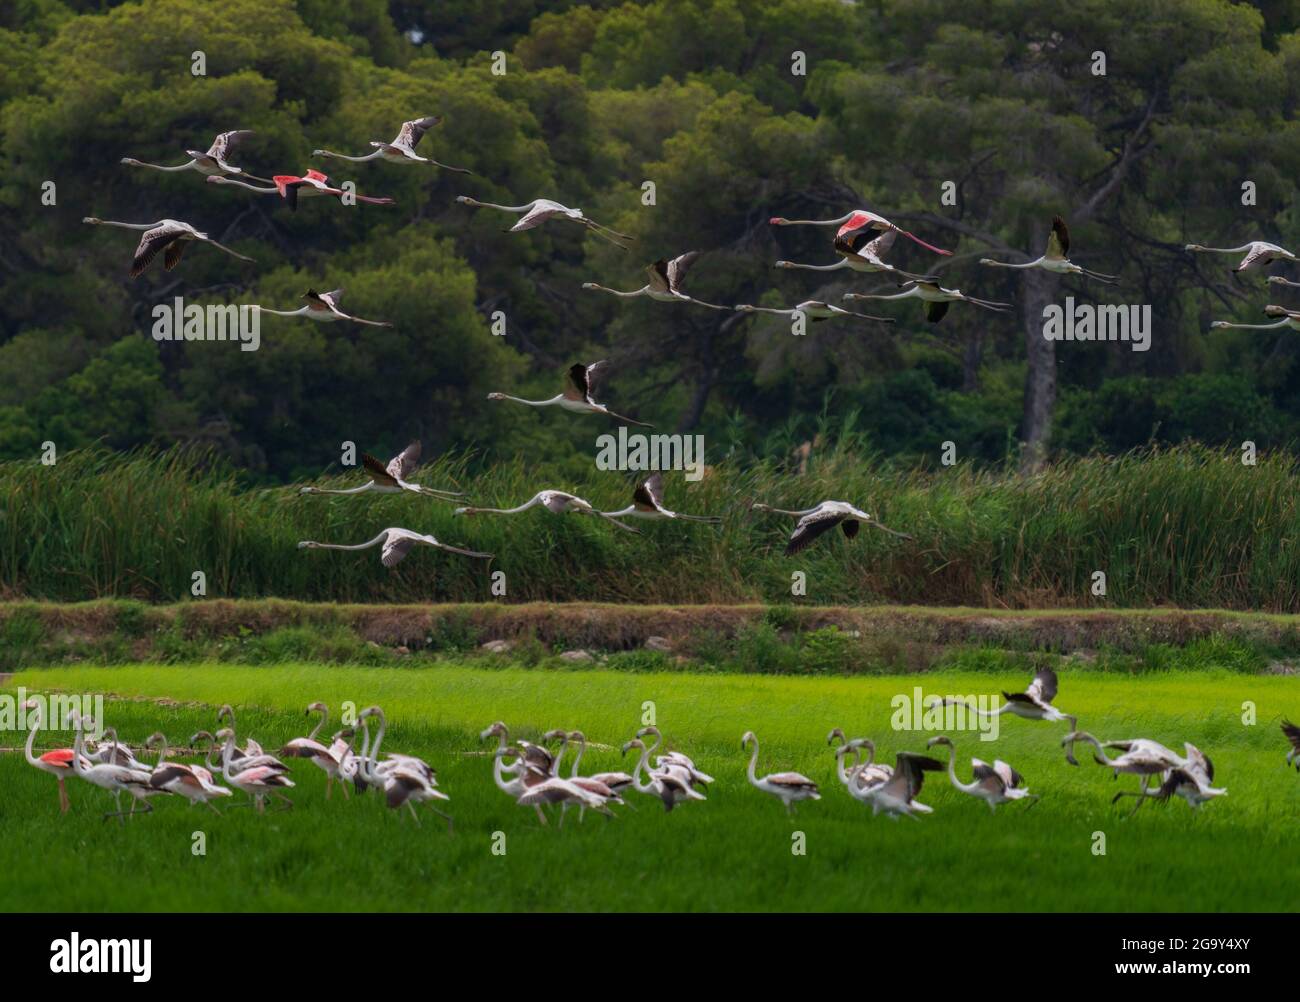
(732, 852)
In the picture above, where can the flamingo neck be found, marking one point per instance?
(325, 715)
(753, 764)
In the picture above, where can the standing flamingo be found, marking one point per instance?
(311, 184)
(117, 779)
(402, 149)
(391, 479)
(665, 282)
(193, 782)
(1056, 258)
(897, 795)
(787, 787)
(324, 758)
(577, 397)
(405, 779)
(57, 762)
(648, 502)
(212, 163)
(259, 781)
(397, 544)
(1292, 734)
(539, 210)
(860, 219)
(671, 785)
(994, 784)
(171, 234)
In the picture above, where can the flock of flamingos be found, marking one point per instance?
(530, 773)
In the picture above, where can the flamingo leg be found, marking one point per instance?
(63, 797)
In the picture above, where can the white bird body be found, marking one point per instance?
(648, 503)
(211, 162)
(168, 234)
(402, 149)
(391, 479)
(539, 210)
(1259, 253)
(259, 779)
(117, 779)
(897, 795)
(814, 309)
(397, 543)
(323, 307)
(1055, 259)
(994, 784)
(821, 518)
(1285, 318)
(405, 779)
(1035, 703)
(671, 785)
(665, 284)
(193, 782)
(577, 394)
(787, 787)
(556, 502)
(936, 298)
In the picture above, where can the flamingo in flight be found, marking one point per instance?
(539, 210)
(402, 149)
(1191, 780)
(576, 397)
(556, 502)
(1279, 280)
(859, 219)
(324, 307)
(391, 479)
(397, 544)
(57, 762)
(1141, 757)
(821, 518)
(861, 252)
(994, 784)
(1035, 703)
(171, 234)
(648, 502)
(212, 163)
(815, 310)
(1292, 733)
(291, 187)
(665, 282)
(1259, 253)
(787, 787)
(896, 796)
(1056, 258)
(1285, 318)
(935, 297)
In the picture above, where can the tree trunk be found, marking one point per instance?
(971, 359)
(1038, 290)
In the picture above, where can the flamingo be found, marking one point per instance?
(258, 780)
(863, 774)
(535, 756)
(251, 748)
(815, 310)
(523, 772)
(1279, 280)
(402, 149)
(193, 782)
(390, 479)
(1191, 780)
(405, 779)
(648, 502)
(1035, 703)
(617, 782)
(212, 163)
(1292, 733)
(1140, 756)
(324, 758)
(994, 784)
(787, 787)
(897, 795)
(665, 284)
(594, 785)
(673, 759)
(577, 396)
(1259, 253)
(1055, 259)
(169, 233)
(57, 762)
(539, 210)
(553, 789)
(1286, 318)
(292, 187)
(397, 544)
(117, 779)
(556, 502)
(861, 253)
(935, 297)
(323, 307)
(860, 219)
(819, 519)
(672, 786)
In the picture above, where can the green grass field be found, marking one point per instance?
(731, 853)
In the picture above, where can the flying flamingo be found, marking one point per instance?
(671, 786)
(1035, 703)
(57, 762)
(556, 502)
(1286, 318)
(397, 544)
(391, 479)
(821, 518)
(324, 307)
(212, 163)
(648, 502)
(258, 781)
(815, 310)
(576, 397)
(193, 782)
(117, 779)
(665, 285)
(858, 220)
(1279, 280)
(994, 784)
(1259, 253)
(324, 758)
(1292, 733)
(1192, 781)
(897, 795)
(171, 234)
(539, 210)
(860, 252)
(935, 297)
(1141, 757)
(402, 149)
(1056, 258)
(311, 184)
(787, 787)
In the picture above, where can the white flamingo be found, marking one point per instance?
(171, 234)
(193, 782)
(863, 774)
(787, 787)
(405, 779)
(821, 518)
(324, 308)
(402, 149)
(617, 781)
(814, 310)
(1285, 318)
(671, 785)
(311, 184)
(1192, 780)
(539, 210)
(1056, 258)
(858, 220)
(1035, 703)
(861, 252)
(117, 779)
(673, 759)
(994, 784)
(897, 795)
(397, 544)
(556, 502)
(579, 383)
(325, 758)
(211, 163)
(259, 781)
(648, 502)
(391, 479)
(1140, 757)
(1259, 253)
(665, 284)
(936, 298)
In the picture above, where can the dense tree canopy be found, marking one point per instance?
(736, 111)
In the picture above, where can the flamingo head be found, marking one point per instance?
(225, 734)
(463, 511)
(466, 200)
(321, 153)
(590, 285)
(153, 739)
(835, 733)
(648, 730)
(496, 396)
(748, 737)
(941, 739)
(218, 179)
(317, 708)
(555, 734)
(308, 490)
(493, 730)
(92, 220)
(1274, 311)
(779, 221)
(308, 544)
(634, 743)
(226, 711)
(784, 264)
(744, 308)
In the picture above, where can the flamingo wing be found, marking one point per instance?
(810, 527)
(936, 311)
(793, 780)
(413, 131)
(173, 255)
(1058, 243)
(649, 492)
(1259, 253)
(677, 269)
(1292, 733)
(226, 142)
(404, 463)
(150, 244)
(395, 550)
(377, 470)
(1043, 688)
